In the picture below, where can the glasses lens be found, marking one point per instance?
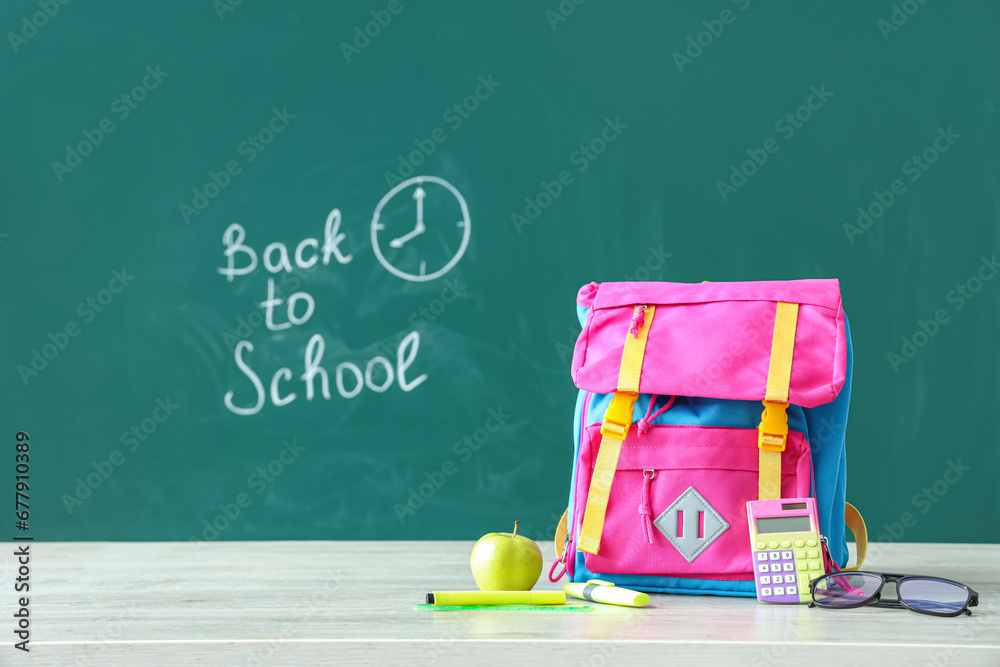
(933, 595)
(837, 590)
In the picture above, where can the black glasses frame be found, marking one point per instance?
(875, 599)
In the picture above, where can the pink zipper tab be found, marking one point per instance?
(644, 509)
(638, 319)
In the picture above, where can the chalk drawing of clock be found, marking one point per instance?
(421, 228)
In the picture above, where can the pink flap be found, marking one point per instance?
(714, 339)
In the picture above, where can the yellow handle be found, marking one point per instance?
(854, 521)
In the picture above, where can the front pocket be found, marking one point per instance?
(677, 506)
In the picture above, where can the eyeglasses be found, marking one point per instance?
(924, 595)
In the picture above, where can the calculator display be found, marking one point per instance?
(794, 506)
(784, 524)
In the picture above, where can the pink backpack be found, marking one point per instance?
(670, 438)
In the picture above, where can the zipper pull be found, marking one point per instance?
(832, 568)
(562, 559)
(644, 510)
(829, 565)
(638, 319)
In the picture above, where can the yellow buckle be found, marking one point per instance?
(773, 429)
(618, 418)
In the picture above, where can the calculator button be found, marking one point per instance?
(761, 545)
(798, 554)
(774, 555)
(774, 545)
(811, 542)
(761, 555)
(813, 554)
(765, 579)
(789, 578)
(804, 584)
(765, 592)
(786, 555)
(812, 566)
(779, 590)
(785, 544)
(798, 543)
(775, 567)
(790, 590)
(787, 567)
(764, 568)
(801, 565)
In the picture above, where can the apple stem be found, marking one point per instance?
(515, 530)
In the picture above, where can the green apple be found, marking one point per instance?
(506, 562)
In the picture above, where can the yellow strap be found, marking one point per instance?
(780, 371)
(769, 476)
(597, 497)
(634, 351)
(617, 421)
(773, 429)
(852, 517)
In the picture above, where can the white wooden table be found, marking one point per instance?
(344, 603)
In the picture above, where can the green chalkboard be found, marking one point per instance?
(415, 191)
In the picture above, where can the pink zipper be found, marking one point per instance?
(645, 511)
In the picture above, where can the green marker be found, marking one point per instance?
(504, 607)
(451, 598)
(596, 590)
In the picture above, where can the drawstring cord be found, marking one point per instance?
(644, 510)
(644, 422)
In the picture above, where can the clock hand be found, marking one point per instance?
(419, 195)
(398, 243)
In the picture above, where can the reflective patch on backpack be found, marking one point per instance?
(691, 524)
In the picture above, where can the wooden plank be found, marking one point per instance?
(301, 603)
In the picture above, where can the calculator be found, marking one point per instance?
(786, 549)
